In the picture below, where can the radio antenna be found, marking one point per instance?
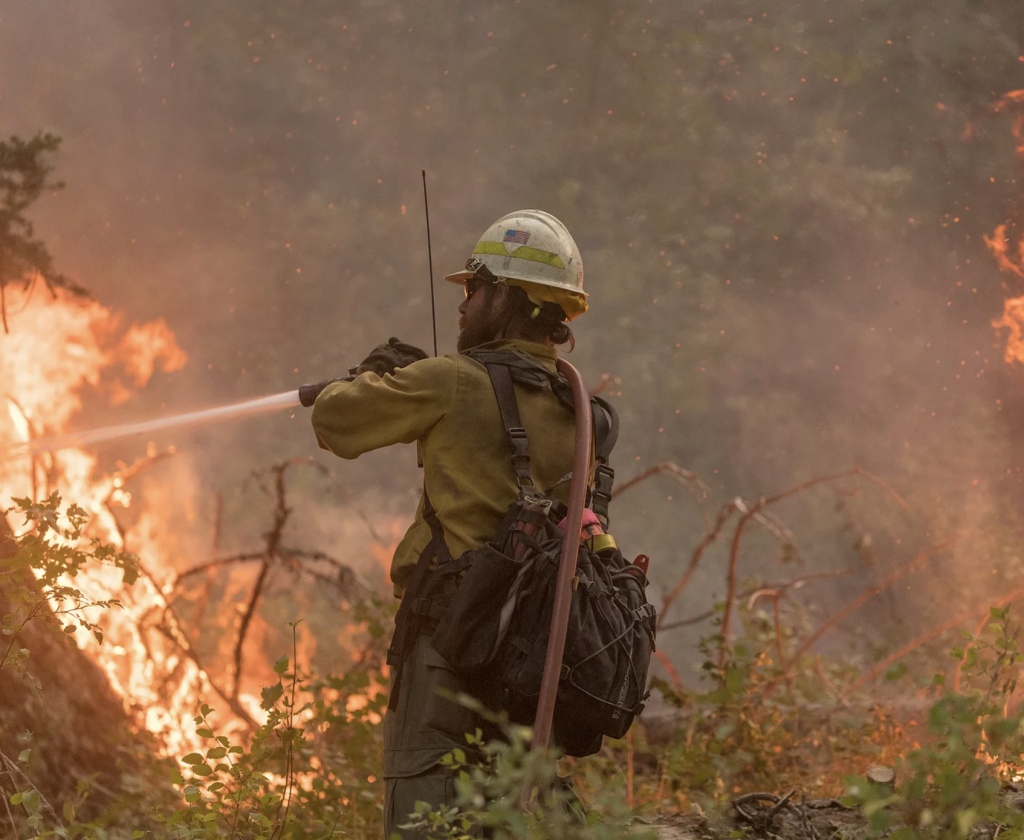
(430, 261)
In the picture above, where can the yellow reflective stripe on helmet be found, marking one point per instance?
(523, 252)
(496, 248)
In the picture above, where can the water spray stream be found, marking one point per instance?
(123, 430)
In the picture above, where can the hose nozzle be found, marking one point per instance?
(309, 393)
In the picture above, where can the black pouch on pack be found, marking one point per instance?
(609, 642)
(473, 627)
(468, 633)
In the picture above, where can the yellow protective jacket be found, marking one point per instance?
(447, 404)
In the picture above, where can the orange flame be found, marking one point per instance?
(999, 244)
(1012, 262)
(55, 349)
(1013, 320)
(1010, 258)
(58, 348)
(1014, 97)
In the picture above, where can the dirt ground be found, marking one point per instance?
(769, 816)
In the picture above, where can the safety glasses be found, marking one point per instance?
(482, 276)
(472, 286)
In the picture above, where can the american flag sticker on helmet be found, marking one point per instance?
(520, 237)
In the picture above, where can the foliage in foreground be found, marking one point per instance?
(957, 779)
(36, 578)
(767, 718)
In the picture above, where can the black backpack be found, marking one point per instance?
(490, 609)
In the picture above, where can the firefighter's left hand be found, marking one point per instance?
(387, 358)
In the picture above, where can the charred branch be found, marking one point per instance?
(869, 593)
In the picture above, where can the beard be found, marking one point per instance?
(476, 333)
(485, 327)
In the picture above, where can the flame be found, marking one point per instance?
(55, 349)
(1014, 97)
(22, 429)
(1009, 256)
(1013, 320)
(144, 345)
(999, 244)
(1010, 261)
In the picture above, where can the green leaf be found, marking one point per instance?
(16, 799)
(204, 733)
(193, 758)
(271, 694)
(205, 709)
(216, 752)
(129, 570)
(896, 671)
(24, 755)
(202, 770)
(137, 834)
(281, 666)
(964, 821)
(877, 805)
(30, 801)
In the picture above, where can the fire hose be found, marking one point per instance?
(566, 571)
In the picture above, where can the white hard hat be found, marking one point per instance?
(535, 249)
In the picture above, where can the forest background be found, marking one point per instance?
(782, 209)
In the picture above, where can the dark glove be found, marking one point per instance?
(309, 393)
(387, 358)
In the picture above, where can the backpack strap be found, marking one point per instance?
(526, 370)
(523, 368)
(606, 433)
(408, 619)
(505, 393)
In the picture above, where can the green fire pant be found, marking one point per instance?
(423, 728)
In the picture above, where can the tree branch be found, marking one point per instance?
(872, 591)
(927, 637)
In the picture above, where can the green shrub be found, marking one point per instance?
(956, 779)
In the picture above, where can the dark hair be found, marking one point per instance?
(547, 325)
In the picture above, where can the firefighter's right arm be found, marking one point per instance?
(372, 411)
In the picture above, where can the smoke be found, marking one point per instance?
(250, 174)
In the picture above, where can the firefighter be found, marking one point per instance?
(523, 283)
